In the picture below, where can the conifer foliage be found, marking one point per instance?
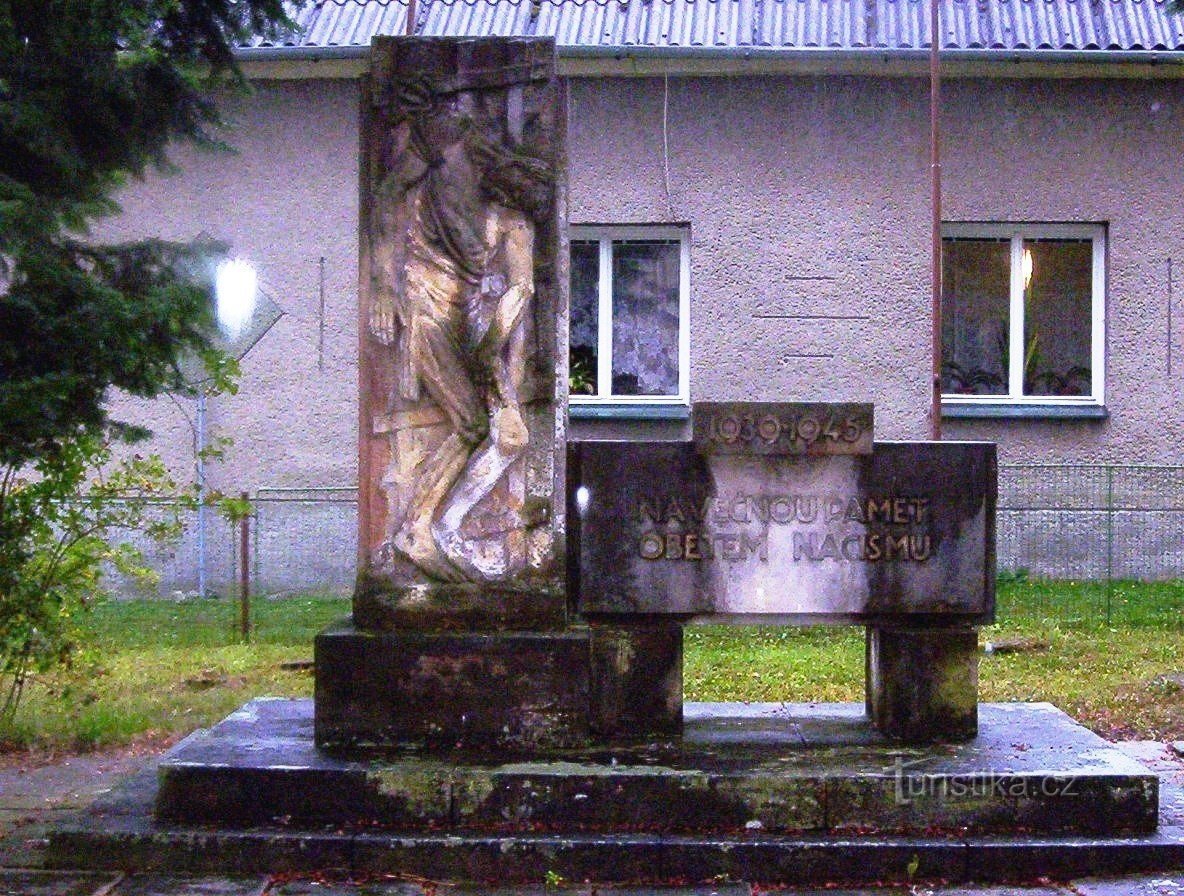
(92, 92)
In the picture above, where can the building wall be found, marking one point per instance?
(286, 198)
(805, 196)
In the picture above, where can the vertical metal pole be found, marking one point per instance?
(411, 14)
(935, 171)
(321, 317)
(244, 549)
(201, 492)
(1169, 317)
(1109, 542)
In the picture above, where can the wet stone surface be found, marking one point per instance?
(905, 531)
(52, 883)
(738, 767)
(160, 885)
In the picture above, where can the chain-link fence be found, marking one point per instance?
(1096, 530)
(300, 539)
(1093, 529)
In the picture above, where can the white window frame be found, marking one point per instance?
(605, 236)
(1016, 233)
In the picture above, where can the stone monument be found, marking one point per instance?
(462, 410)
(506, 699)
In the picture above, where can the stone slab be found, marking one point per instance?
(53, 883)
(524, 859)
(659, 527)
(377, 607)
(506, 690)
(782, 428)
(164, 885)
(1158, 885)
(139, 844)
(323, 887)
(738, 769)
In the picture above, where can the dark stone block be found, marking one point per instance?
(52, 883)
(141, 846)
(159, 885)
(243, 797)
(635, 797)
(1029, 858)
(511, 690)
(922, 683)
(789, 860)
(636, 678)
(990, 802)
(519, 859)
(908, 530)
(380, 604)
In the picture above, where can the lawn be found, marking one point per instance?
(155, 670)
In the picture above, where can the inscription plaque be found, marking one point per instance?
(671, 528)
(810, 428)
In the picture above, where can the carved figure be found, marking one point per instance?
(453, 269)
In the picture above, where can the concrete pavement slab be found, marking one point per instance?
(54, 883)
(1155, 885)
(161, 885)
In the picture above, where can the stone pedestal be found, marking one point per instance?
(636, 678)
(514, 691)
(922, 682)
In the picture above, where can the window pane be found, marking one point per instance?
(1057, 316)
(585, 288)
(976, 285)
(645, 318)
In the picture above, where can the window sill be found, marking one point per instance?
(628, 411)
(968, 411)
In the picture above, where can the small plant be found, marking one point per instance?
(59, 529)
(581, 377)
(553, 880)
(1011, 577)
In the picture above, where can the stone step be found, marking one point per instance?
(137, 845)
(771, 793)
(771, 768)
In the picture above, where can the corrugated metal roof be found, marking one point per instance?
(1011, 25)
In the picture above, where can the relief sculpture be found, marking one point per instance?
(457, 197)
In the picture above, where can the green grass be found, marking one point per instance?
(155, 670)
(1108, 676)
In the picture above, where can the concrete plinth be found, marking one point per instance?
(379, 605)
(922, 682)
(385, 690)
(636, 678)
(774, 793)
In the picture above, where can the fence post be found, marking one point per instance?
(244, 544)
(1109, 543)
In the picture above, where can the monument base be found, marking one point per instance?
(922, 681)
(774, 793)
(515, 692)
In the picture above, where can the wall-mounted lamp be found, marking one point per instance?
(236, 286)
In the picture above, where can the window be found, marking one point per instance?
(630, 293)
(1022, 314)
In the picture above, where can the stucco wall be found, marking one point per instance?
(285, 199)
(804, 196)
(1099, 152)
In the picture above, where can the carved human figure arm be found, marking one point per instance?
(401, 170)
(515, 236)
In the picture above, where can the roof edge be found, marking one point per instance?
(623, 61)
